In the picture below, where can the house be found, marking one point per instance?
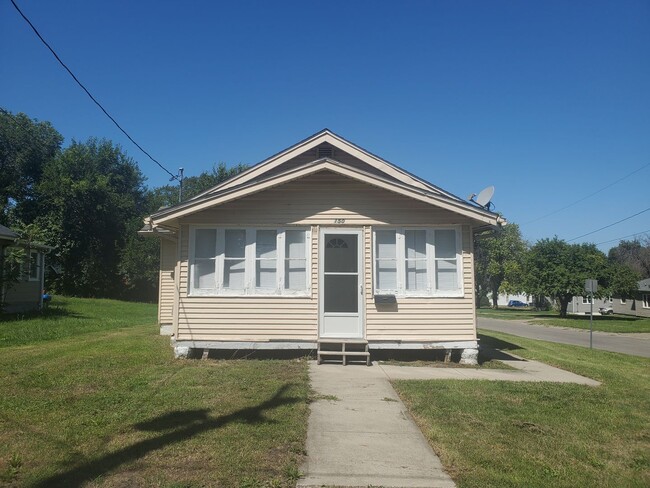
(322, 243)
(638, 305)
(25, 293)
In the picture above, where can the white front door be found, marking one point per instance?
(341, 283)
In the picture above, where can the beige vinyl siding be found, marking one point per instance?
(309, 202)
(168, 254)
(249, 318)
(418, 319)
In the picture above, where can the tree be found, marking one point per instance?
(139, 261)
(498, 262)
(26, 146)
(622, 281)
(635, 254)
(558, 270)
(88, 195)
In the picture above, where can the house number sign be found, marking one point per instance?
(339, 221)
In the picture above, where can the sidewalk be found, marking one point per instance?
(360, 433)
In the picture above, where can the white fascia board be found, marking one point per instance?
(436, 200)
(306, 145)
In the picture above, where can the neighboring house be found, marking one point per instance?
(27, 293)
(638, 305)
(323, 242)
(504, 298)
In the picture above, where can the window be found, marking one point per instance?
(248, 261)
(623, 300)
(34, 266)
(646, 300)
(586, 300)
(418, 262)
(295, 260)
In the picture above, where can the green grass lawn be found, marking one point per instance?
(93, 397)
(603, 323)
(501, 434)
(67, 317)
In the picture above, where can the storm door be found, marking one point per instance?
(341, 284)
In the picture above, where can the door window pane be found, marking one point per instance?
(341, 253)
(341, 293)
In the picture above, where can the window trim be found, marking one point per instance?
(249, 290)
(37, 260)
(400, 243)
(645, 300)
(586, 300)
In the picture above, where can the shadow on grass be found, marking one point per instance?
(174, 427)
(490, 342)
(56, 312)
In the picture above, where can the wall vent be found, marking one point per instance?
(325, 152)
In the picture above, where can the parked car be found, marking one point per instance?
(606, 310)
(517, 303)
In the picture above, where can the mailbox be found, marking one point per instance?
(384, 299)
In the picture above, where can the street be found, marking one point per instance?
(634, 344)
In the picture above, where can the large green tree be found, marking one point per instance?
(88, 195)
(635, 254)
(557, 269)
(26, 146)
(499, 258)
(140, 258)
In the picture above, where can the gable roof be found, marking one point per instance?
(301, 160)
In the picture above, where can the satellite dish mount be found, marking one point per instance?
(484, 198)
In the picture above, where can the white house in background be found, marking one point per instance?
(323, 245)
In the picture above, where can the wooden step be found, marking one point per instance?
(337, 347)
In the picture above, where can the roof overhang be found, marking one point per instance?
(167, 217)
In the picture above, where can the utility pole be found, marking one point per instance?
(179, 177)
(180, 185)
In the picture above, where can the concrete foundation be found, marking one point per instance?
(181, 352)
(166, 329)
(469, 356)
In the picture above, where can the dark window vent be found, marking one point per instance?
(324, 152)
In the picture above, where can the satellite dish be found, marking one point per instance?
(483, 198)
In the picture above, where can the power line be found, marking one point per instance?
(588, 196)
(624, 237)
(89, 94)
(610, 225)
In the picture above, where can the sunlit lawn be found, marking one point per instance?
(603, 323)
(501, 434)
(95, 398)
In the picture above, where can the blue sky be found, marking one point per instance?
(548, 101)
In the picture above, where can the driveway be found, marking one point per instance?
(633, 344)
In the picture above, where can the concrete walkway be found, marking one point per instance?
(360, 433)
(636, 344)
